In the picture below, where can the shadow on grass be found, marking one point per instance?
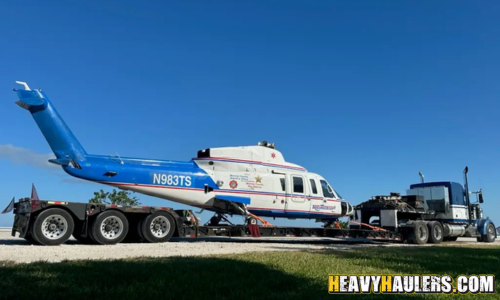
(148, 278)
(271, 275)
(441, 260)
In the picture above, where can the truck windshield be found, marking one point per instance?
(327, 190)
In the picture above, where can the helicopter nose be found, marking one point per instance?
(348, 209)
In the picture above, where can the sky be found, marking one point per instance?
(365, 93)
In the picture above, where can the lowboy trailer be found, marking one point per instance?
(49, 222)
(430, 213)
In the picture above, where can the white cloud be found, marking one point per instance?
(19, 155)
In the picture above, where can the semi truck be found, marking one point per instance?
(431, 212)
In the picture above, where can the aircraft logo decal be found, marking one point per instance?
(233, 184)
(323, 207)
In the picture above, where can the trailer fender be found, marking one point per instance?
(483, 224)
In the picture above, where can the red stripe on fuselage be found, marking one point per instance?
(215, 191)
(249, 161)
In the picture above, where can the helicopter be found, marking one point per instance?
(253, 181)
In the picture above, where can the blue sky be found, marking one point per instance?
(365, 93)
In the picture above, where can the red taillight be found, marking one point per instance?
(35, 204)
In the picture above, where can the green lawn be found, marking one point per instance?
(272, 275)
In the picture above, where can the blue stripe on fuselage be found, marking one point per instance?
(142, 171)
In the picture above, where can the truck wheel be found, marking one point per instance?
(489, 237)
(109, 227)
(419, 234)
(158, 227)
(53, 226)
(435, 232)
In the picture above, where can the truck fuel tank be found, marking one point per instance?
(453, 230)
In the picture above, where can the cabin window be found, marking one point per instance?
(282, 180)
(298, 185)
(313, 186)
(327, 190)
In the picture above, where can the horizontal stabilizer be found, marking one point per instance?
(60, 161)
(243, 200)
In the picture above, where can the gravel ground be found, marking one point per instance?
(18, 250)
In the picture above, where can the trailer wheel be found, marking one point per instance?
(158, 227)
(419, 234)
(109, 227)
(435, 232)
(53, 226)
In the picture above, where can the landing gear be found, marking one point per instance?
(252, 219)
(216, 219)
(331, 224)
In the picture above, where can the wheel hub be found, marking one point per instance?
(54, 227)
(160, 226)
(111, 227)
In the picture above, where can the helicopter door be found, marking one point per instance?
(280, 198)
(298, 202)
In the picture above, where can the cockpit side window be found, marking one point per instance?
(313, 186)
(327, 190)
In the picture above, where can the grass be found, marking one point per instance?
(271, 275)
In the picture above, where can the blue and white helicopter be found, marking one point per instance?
(252, 181)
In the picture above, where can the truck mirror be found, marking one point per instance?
(481, 198)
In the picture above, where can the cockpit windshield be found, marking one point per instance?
(328, 192)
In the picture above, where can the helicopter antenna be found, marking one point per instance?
(421, 176)
(117, 155)
(26, 87)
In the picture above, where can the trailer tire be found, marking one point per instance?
(135, 231)
(419, 233)
(77, 234)
(158, 227)
(435, 232)
(109, 227)
(53, 226)
(29, 238)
